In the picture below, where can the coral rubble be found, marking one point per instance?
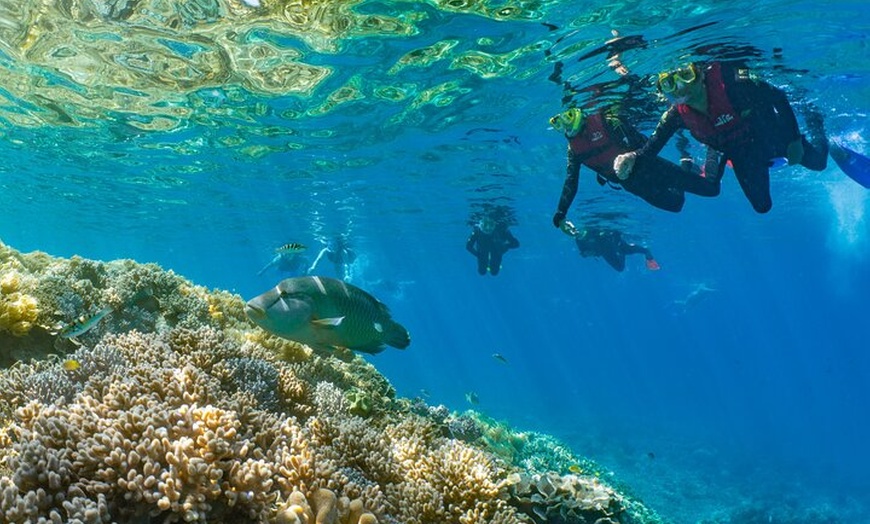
(177, 410)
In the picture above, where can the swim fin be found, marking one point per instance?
(652, 265)
(854, 164)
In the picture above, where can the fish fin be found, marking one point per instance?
(854, 164)
(372, 349)
(328, 322)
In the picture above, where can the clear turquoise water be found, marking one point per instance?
(753, 398)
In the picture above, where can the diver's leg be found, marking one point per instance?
(754, 177)
(657, 192)
(672, 175)
(631, 249)
(615, 258)
(495, 262)
(815, 142)
(482, 257)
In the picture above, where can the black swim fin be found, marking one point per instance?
(854, 164)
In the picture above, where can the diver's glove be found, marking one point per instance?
(623, 164)
(558, 218)
(795, 152)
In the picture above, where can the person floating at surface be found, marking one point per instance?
(489, 241)
(286, 262)
(750, 121)
(597, 139)
(338, 252)
(611, 246)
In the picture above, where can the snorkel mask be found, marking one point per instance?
(569, 122)
(675, 84)
(486, 225)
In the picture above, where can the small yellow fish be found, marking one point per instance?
(575, 469)
(472, 398)
(500, 358)
(292, 247)
(71, 365)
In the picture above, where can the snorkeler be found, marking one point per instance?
(489, 241)
(288, 259)
(748, 120)
(338, 252)
(611, 246)
(596, 140)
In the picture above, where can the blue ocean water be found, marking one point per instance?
(730, 386)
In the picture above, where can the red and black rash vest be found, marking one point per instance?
(722, 128)
(596, 145)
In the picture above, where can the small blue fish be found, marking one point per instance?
(501, 358)
(83, 324)
(472, 398)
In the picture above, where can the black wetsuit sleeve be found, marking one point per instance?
(569, 188)
(756, 98)
(667, 126)
(470, 243)
(777, 98)
(511, 241)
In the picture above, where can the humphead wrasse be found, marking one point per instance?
(326, 313)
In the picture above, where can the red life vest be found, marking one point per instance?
(722, 128)
(596, 140)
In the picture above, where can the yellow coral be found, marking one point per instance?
(18, 312)
(10, 282)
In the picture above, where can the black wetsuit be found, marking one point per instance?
(490, 248)
(656, 180)
(610, 246)
(771, 126)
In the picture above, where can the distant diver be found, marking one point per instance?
(488, 242)
(339, 252)
(610, 245)
(288, 259)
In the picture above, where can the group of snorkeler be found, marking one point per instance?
(745, 123)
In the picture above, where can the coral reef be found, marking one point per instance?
(175, 409)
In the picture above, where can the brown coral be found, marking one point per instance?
(191, 418)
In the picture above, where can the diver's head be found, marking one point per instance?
(486, 225)
(682, 85)
(569, 121)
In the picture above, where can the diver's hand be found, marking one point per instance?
(794, 153)
(623, 164)
(558, 218)
(568, 228)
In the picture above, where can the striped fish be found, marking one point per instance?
(292, 247)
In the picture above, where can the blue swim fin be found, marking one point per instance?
(854, 164)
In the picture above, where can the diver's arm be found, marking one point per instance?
(778, 99)
(470, 244)
(317, 260)
(511, 241)
(669, 123)
(569, 188)
(271, 263)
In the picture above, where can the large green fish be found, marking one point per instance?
(326, 313)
